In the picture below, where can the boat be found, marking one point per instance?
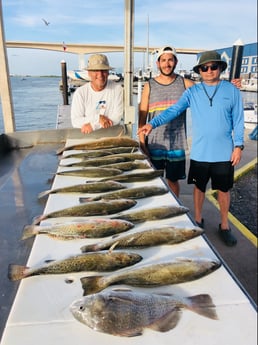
(81, 74)
(249, 84)
(250, 115)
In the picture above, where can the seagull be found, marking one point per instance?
(44, 20)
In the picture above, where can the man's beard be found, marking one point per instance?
(167, 74)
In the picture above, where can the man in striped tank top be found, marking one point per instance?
(166, 144)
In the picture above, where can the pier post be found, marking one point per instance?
(236, 60)
(64, 83)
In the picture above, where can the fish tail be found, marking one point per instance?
(38, 219)
(16, 272)
(202, 304)
(43, 194)
(92, 284)
(60, 150)
(29, 231)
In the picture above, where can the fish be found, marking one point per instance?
(101, 153)
(153, 237)
(153, 275)
(137, 176)
(101, 262)
(155, 213)
(103, 143)
(94, 208)
(97, 161)
(127, 313)
(90, 187)
(129, 193)
(89, 228)
(92, 172)
(127, 166)
(130, 156)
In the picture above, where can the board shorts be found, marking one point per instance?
(173, 163)
(220, 173)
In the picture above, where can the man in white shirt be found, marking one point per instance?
(98, 103)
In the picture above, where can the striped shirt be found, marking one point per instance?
(167, 141)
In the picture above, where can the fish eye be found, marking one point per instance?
(81, 308)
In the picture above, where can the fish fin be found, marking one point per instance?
(92, 284)
(122, 289)
(49, 261)
(44, 193)
(29, 231)
(131, 332)
(113, 246)
(202, 304)
(84, 199)
(16, 272)
(167, 322)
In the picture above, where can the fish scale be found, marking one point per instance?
(94, 208)
(127, 313)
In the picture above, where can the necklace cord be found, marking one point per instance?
(214, 93)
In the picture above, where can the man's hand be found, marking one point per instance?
(236, 82)
(86, 128)
(105, 122)
(146, 129)
(236, 156)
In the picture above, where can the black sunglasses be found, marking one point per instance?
(213, 67)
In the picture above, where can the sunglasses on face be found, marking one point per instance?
(213, 67)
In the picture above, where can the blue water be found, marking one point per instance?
(36, 100)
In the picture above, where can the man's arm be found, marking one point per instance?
(143, 114)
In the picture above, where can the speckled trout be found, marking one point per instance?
(137, 176)
(127, 166)
(129, 193)
(127, 313)
(148, 238)
(90, 187)
(155, 213)
(94, 208)
(89, 228)
(96, 162)
(92, 172)
(101, 262)
(100, 153)
(103, 143)
(160, 274)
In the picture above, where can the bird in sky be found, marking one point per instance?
(46, 22)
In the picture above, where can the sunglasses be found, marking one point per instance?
(213, 67)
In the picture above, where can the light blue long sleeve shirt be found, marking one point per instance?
(216, 129)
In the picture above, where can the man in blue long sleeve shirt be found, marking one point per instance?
(217, 135)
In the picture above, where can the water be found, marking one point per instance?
(36, 100)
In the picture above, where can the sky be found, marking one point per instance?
(198, 24)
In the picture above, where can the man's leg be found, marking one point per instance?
(198, 197)
(224, 204)
(174, 186)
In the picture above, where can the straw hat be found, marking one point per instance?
(98, 62)
(210, 56)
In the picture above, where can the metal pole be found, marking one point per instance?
(5, 85)
(64, 82)
(129, 115)
(236, 61)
